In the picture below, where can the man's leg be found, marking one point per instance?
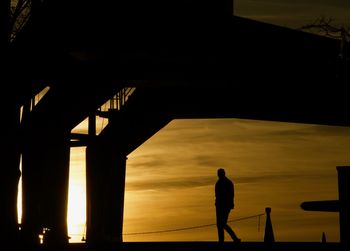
(231, 233)
(220, 223)
(228, 228)
(221, 234)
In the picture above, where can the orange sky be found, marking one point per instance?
(170, 178)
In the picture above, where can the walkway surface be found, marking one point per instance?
(200, 246)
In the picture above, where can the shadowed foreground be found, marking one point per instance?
(201, 246)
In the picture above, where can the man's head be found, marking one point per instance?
(221, 173)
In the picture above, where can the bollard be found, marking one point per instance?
(269, 235)
(324, 239)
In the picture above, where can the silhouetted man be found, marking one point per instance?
(224, 202)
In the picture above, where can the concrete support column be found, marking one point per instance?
(10, 174)
(344, 204)
(56, 197)
(45, 186)
(9, 153)
(105, 174)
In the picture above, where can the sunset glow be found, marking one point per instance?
(170, 180)
(77, 195)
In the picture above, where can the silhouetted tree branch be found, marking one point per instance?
(324, 25)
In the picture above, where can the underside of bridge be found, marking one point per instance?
(185, 59)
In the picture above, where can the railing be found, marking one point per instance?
(117, 102)
(120, 99)
(196, 227)
(268, 231)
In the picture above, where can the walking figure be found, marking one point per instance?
(224, 202)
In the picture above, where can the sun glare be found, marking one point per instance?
(19, 196)
(77, 195)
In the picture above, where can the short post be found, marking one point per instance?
(269, 235)
(324, 239)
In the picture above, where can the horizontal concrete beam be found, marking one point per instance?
(322, 206)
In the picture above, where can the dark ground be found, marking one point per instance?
(196, 246)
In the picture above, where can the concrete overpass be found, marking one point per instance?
(186, 59)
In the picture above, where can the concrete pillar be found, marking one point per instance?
(45, 166)
(344, 204)
(31, 199)
(10, 174)
(105, 174)
(9, 153)
(56, 196)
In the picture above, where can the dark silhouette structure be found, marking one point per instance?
(186, 59)
(224, 203)
(269, 236)
(341, 206)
